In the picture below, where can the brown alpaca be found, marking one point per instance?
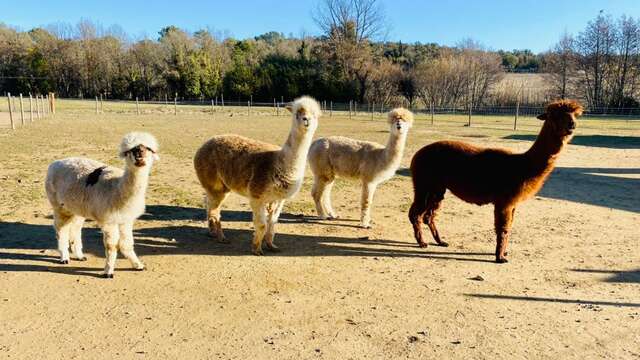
(486, 175)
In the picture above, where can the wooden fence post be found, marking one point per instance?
(213, 109)
(371, 109)
(330, 108)
(350, 106)
(515, 121)
(96, 105)
(46, 104)
(175, 105)
(52, 102)
(249, 107)
(13, 126)
(30, 107)
(431, 110)
(137, 106)
(469, 123)
(38, 107)
(101, 105)
(21, 111)
(222, 101)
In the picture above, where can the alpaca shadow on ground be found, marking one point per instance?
(171, 213)
(630, 276)
(552, 300)
(603, 141)
(404, 172)
(194, 240)
(606, 187)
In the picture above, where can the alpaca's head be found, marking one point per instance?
(560, 116)
(306, 112)
(139, 149)
(400, 120)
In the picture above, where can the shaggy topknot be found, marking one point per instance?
(133, 139)
(564, 106)
(308, 103)
(401, 113)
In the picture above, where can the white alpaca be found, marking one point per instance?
(369, 162)
(80, 188)
(265, 173)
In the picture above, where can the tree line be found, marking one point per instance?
(344, 63)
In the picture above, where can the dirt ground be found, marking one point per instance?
(570, 291)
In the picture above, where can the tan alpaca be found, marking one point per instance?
(264, 173)
(369, 162)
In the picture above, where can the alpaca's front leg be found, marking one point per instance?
(126, 245)
(110, 236)
(367, 198)
(503, 221)
(273, 213)
(259, 224)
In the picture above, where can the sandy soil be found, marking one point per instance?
(571, 289)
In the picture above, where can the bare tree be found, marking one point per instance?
(560, 64)
(595, 46)
(628, 60)
(357, 20)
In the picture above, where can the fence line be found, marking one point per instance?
(495, 115)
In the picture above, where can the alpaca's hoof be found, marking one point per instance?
(222, 240)
(333, 217)
(443, 244)
(64, 262)
(140, 268)
(107, 276)
(501, 260)
(423, 244)
(273, 248)
(83, 258)
(257, 252)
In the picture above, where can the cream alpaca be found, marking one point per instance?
(366, 161)
(264, 173)
(80, 188)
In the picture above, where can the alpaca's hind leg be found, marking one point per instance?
(433, 204)
(503, 218)
(125, 244)
(416, 213)
(110, 237)
(259, 225)
(214, 204)
(317, 190)
(62, 223)
(273, 213)
(321, 193)
(368, 189)
(76, 237)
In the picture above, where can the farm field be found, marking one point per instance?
(571, 289)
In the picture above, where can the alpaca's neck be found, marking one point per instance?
(293, 155)
(395, 148)
(133, 183)
(545, 150)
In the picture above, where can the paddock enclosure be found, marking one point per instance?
(570, 290)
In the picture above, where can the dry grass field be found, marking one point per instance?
(570, 291)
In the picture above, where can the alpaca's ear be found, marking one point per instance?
(542, 116)
(288, 107)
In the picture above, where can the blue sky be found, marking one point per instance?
(497, 24)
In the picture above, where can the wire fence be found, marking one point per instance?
(20, 111)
